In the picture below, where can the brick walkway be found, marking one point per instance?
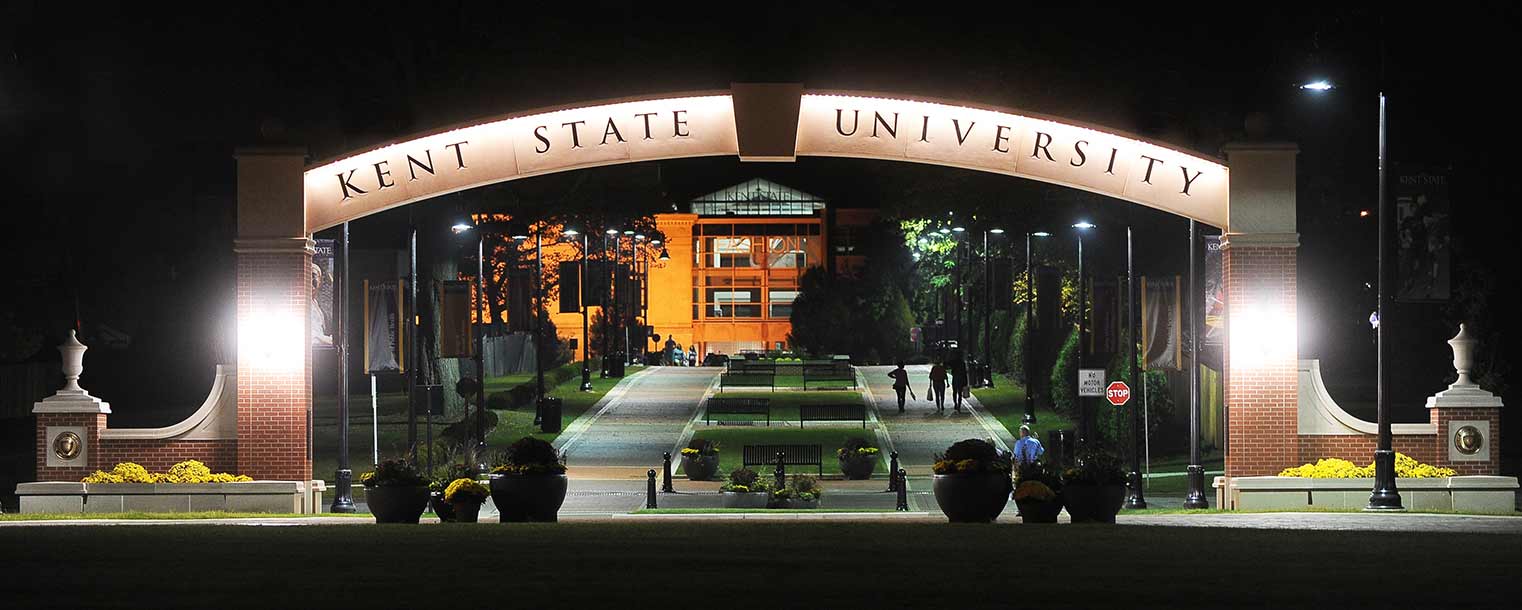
(641, 419)
(920, 432)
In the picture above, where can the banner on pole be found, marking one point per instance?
(383, 327)
(1423, 235)
(320, 309)
(1161, 323)
(1104, 337)
(454, 320)
(570, 287)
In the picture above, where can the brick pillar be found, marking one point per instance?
(1259, 270)
(69, 423)
(1467, 417)
(274, 260)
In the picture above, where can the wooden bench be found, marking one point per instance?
(737, 406)
(834, 376)
(832, 412)
(792, 455)
(747, 380)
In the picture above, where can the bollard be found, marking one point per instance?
(903, 490)
(781, 473)
(666, 486)
(893, 471)
(650, 490)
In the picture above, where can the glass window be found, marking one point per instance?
(730, 252)
(780, 303)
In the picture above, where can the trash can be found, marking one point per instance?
(549, 414)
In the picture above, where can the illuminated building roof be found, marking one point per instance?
(757, 197)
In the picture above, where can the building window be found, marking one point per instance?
(780, 302)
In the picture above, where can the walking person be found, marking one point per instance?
(938, 386)
(958, 369)
(1027, 449)
(901, 384)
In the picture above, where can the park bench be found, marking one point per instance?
(832, 412)
(832, 376)
(792, 455)
(737, 406)
(746, 380)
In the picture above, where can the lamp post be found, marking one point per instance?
(581, 291)
(343, 497)
(1030, 316)
(964, 309)
(1083, 331)
(988, 301)
(1194, 473)
(1385, 495)
(1137, 498)
(609, 302)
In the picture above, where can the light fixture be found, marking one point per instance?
(639, 237)
(959, 229)
(665, 256)
(460, 227)
(628, 231)
(1363, 213)
(1318, 86)
(944, 231)
(996, 231)
(1083, 224)
(570, 232)
(655, 242)
(612, 231)
(1041, 234)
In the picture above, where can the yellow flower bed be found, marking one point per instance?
(1406, 467)
(466, 488)
(188, 471)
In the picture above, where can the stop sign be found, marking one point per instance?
(1118, 393)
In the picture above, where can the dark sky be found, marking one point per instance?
(118, 122)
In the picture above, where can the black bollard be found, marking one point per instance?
(650, 490)
(893, 471)
(903, 490)
(666, 465)
(781, 472)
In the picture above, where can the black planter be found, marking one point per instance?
(397, 504)
(1093, 503)
(972, 498)
(466, 511)
(858, 467)
(443, 509)
(1040, 511)
(700, 469)
(522, 498)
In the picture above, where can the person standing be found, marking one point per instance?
(938, 386)
(1027, 449)
(900, 384)
(958, 369)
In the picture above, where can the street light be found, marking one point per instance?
(1385, 495)
(1025, 348)
(988, 301)
(586, 368)
(1083, 329)
(1194, 472)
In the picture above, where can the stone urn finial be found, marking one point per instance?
(73, 364)
(1463, 355)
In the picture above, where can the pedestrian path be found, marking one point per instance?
(646, 418)
(921, 432)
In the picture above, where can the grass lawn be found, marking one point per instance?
(731, 441)
(212, 514)
(891, 565)
(1006, 401)
(785, 402)
(513, 425)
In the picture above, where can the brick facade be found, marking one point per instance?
(274, 390)
(1426, 448)
(93, 423)
(1262, 399)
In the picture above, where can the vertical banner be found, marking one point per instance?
(1423, 235)
(320, 309)
(1161, 323)
(1213, 345)
(570, 287)
(1105, 313)
(1003, 279)
(519, 300)
(383, 345)
(454, 320)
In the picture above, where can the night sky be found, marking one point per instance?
(118, 126)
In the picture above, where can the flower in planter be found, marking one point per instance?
(971, 456)
(186, 472)
(466, 489)
(1034, 490)
(744, 480)
(393, 473)
(700, 448)
(857, 447)
(529, 456)
(1095, 467)
(1406, 467)
(1039, 471)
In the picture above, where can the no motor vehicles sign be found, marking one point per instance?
(1091, 383)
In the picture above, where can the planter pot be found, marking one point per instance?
(700, 469)
(528, 498)
(397, 504)
(1040, 511)
(466, 510)
(858, 468)
(443, 509)
(972, 498)
(746, 500)
(1093, 503)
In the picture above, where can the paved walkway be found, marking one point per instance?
(921, 432)
(639, 420)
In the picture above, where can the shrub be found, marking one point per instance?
(1406, 467)
(186, 472)
(446, 473)
(393, 473)
(1095, 467)
(499, 401)
(858, 447)
(466, 489)
(744, 480)
(1064, 371)
(531, 456)
(1039, 472)
(971, 456)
